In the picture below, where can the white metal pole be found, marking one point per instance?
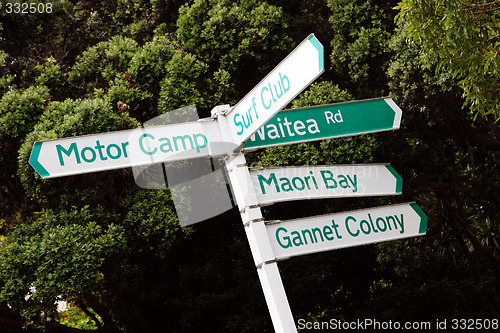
(251, 215)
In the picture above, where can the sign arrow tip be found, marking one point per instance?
(34, 160)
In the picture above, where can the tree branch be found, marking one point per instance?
(460, 219)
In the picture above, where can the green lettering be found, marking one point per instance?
(383, 224)
(99, 149)
(238, 123)
(354, 182)
(286, 186)
(302, 185)
(327, 231)
(347, 219)
(285, 238)
(307, 232)
(118, 151)
(327, 176)
(72, 148)
(141, 145)
(262, 180)
(365, 223)
(401, 223)
(317, 230)
(124, 149)
(165, 147)
(343, 181)
(183, 138)
(92, 153)
(297, 241)
(199, 145)
(393, 222)
(335, 226)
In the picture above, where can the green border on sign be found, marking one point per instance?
(423, 218)
(399, 179)
(34, 160)
(319, 47)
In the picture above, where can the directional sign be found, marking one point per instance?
(326, 122)
(122, 149)
(328, 232)
(301, 67)
(313, 182)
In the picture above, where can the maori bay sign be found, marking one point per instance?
(335, 231)
(314, 182)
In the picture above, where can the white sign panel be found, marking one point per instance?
(301, 67)
(313, 182)
(335, 231)
(122, 149)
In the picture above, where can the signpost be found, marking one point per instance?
(326, 122)
(335, 231)
(250, 125)
(297, 71)
(314, 182)
(122, 149)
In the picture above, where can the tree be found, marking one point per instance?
(361, 32)
(461, 37)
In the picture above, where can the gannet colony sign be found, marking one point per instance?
(335, 231)
(254, 123)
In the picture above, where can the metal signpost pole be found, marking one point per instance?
(256, 232)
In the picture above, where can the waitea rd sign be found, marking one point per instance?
(326, 122)
(335, 231)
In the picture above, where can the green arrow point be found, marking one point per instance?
(423, 218)
(319, 47)
(34, 160)
(399, 179)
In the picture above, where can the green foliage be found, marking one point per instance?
(102, 62)
(50, 74)
(463, 38)
(179, 87)
(20, 109)
(183, 82)
(149, 64)
(224, 33)
(74, 317)
(151, 213)
(361, 32)
(60, 255)
(5, 78)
